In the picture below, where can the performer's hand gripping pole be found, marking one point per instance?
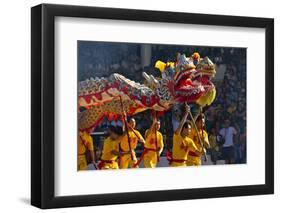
(198, 135)
(126, 127)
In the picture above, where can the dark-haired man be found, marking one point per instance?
(153, 145)
(182, 143)
(110, 151)
(128, 157)
(194, 158)
(228, 134)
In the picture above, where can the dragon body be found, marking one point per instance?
(182, 81)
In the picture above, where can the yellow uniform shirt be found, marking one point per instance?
(181, 146)
(150, 140)
(151, 157)
(110, 145)
(85, 142)
(129, 159)
(196, 160)
(194, 137)
(134, 138)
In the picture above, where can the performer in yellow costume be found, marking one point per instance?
(194, 158)
(153, 145)
(182, 143)
(110, 151)
(128, 156)
(85, 142)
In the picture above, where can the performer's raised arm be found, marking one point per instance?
(179, 129)
(132, 125)
(152, 127)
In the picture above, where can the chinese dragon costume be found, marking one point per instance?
(187, 80)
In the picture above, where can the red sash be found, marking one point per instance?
(171, 159)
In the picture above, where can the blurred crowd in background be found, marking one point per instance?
(100, 59)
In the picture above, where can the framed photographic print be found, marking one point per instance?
(139, 106)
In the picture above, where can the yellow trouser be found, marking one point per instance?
(193, 161)
(175, 164)
(112, 165)
(126, 161)
(82, 162)
(150, 159)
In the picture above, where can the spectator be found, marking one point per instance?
(228, 135)
(214, 147)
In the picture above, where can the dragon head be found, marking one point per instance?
(188, 79)
(185, 90)
(205, 71)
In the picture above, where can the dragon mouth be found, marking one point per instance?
(189, 93)
(184, 79)
(186, 88)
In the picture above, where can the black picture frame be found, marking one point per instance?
(43, 102)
